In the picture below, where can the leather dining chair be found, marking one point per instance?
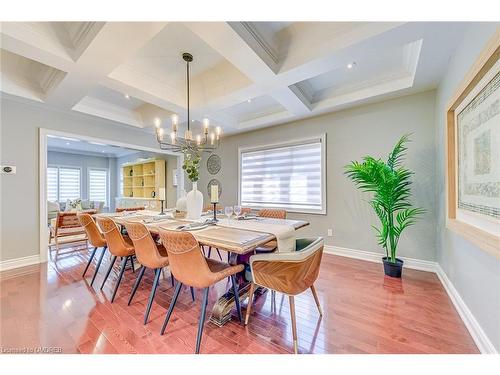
(289, 273)
(150, 255)
(119, 246)
(190, 267)
(95, 238)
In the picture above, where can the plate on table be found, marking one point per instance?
(191, 227)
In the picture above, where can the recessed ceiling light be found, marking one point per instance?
(97, 143)
(249, 100)
(102, 151)
(351, 65)
(127, 96)
(67, 143)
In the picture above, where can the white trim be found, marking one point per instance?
(480, 338)
(19, 262)
(482, 341)
(43, 132)
(293, 142)
(412, 263)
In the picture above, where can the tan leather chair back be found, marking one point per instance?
(246, 210)
(116, 244)
(272, 213)
(289, 273)
(146, 250)
(94, 235)
(187, 262)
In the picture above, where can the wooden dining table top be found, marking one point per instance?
(236, 240)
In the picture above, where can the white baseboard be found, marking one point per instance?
(415, 264)
(19, 262)
(480, 338)
(482, 341)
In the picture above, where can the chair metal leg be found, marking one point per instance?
(218, 252)
(316, 299)
(152, 295)
(236, 297)
(201, 322)
(209, 251)
(171, 308)
(123, 265)
(90, 261)
(98, 265)
(250, 301)
(111, 264)
(136, 285)
(192, 292)
(273, 297)
(172, 279)
(132, 263)
(294, 324)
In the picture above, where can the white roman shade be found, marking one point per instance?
(289, 176)
(98, 185)
(63, 183)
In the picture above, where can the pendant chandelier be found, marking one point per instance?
(208, 141)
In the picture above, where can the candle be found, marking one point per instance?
(214, 193)
(162, 194)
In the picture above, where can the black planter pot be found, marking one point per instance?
(393, 269)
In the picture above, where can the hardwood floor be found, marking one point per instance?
(364, 312)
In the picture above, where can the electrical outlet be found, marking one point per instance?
(330, 232)
(7, 169)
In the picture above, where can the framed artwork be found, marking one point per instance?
(473, 153)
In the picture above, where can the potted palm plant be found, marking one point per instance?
(389, 183)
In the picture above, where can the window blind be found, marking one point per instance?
(98, 185)
(69, 183)
(289, 177)
(52, 184)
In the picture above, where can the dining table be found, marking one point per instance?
(237, 240)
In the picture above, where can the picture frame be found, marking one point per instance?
(472, 162)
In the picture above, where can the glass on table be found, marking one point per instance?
(228, 210)
(237, 211)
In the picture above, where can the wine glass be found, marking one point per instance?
(228, 210)
(237, 211)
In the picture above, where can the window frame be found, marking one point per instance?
(108, 187)
(295, 142)
(59, 166)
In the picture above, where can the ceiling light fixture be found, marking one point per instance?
(207, 142)
(351, 65)
(127, 96)
(249, 100)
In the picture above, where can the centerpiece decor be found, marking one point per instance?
(389, 182)
(194, 199)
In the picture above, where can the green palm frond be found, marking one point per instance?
(390, 186)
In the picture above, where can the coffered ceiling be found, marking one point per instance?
(245, 75)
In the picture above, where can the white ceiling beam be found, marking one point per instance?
(224, 38)
(114, 43)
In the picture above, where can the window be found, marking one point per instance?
(290, 176)
(63, 183)
(98, 185)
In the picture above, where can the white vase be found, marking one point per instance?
(194, 202)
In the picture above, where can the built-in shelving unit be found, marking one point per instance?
(143, 179)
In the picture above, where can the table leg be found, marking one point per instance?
(221, 312)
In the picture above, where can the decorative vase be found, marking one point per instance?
(181, 205)
(194, 203)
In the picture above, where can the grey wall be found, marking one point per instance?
(474, 273)
(351, 134)
(86, 162)
(19, 140)
(171, 160)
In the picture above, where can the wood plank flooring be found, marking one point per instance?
(364, 312)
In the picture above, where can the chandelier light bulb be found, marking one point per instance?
(188, 135)
(198, 139)
(160, 133)
(212, 138)
(157, 123)
(175, 119)
(172, 137)
(206, 123)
